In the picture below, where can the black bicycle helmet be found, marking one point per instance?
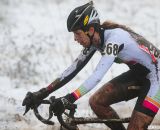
(82, 16)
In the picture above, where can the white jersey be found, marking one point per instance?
(129, 53)
(120, 45)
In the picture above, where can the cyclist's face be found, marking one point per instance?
(81, 38)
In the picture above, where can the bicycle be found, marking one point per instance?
(70, 122)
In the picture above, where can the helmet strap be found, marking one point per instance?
(96, 29)
(90, 37)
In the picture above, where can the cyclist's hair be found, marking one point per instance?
(113, 25)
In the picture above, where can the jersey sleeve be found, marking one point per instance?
(104, 64)
(77, 65)
(72, 70)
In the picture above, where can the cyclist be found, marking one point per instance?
(119, 44)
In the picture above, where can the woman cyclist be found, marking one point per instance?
(119, 44)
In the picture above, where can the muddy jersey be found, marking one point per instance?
(119, 46)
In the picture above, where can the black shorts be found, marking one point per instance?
(125, 82)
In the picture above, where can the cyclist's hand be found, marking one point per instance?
(30, 101)
(34, 99)
(60, 104)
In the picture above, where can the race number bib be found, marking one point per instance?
(113, 49)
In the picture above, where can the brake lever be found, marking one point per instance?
(50, 114)
(51, 100)
(26, 110)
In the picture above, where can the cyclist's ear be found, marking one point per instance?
(91, 31)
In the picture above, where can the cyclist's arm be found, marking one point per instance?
(112, 49)
(71, 71)
(102, 67)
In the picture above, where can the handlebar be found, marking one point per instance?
(39, 117)
(71, 107)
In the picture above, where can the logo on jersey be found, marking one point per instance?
(152, 51)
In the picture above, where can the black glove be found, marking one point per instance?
(62, 103)
(34, 99)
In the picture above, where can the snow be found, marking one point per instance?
(36, 47)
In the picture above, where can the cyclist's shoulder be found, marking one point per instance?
(117, 35)
(116, 32)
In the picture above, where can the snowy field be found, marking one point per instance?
(35, 48)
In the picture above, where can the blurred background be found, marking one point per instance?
(35, 48)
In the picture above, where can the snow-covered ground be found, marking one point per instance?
(35, 48)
